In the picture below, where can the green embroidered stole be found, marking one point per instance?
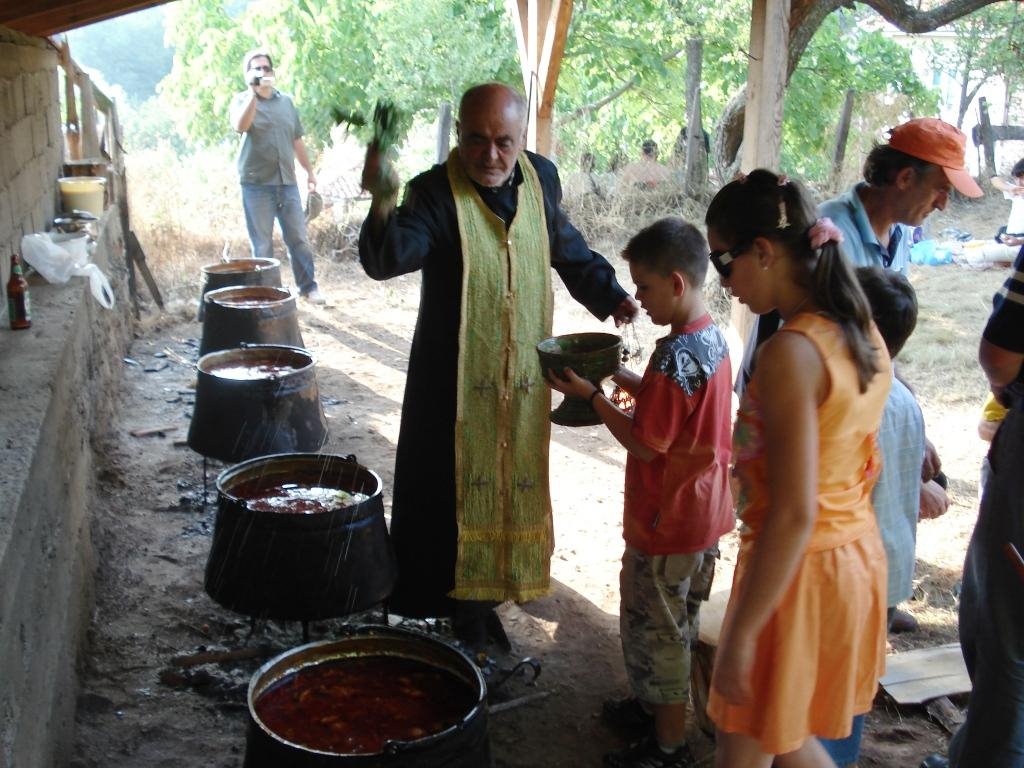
(503, 504)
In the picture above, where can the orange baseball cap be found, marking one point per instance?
(939, 143)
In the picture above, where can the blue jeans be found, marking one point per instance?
(846, 751)
(262, 204)
(992, 615)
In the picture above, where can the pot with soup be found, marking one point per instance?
(249, 315)
(381, 697)
(300, 537)
(257, 400)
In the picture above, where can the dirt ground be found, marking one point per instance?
(152, 532)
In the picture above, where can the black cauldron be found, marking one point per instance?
(256, 314)
(464, 745)
(290, 565)
(258, 400)
(238, 272)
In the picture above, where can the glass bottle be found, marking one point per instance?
(18, 305)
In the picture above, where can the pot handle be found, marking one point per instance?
(519, 670)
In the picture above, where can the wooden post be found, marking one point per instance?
(444, 132)
(71, 128)
(766, 82)
(696, 154)
(762, 126)
(842, 134)
(541, 30)
(987, 140)
(90, 136)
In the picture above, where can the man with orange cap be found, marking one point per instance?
(904, 181)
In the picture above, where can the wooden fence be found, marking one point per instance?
(93, 139)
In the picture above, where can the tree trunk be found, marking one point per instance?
(805, 18)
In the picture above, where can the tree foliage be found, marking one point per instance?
(622, 77)
(335, 53)
(985, 45)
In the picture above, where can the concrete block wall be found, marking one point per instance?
(58, 390)
(31, 139)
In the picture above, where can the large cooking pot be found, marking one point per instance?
(464, 744)
(271, 559)
(249, 315)
(238, 272)
(255, 401)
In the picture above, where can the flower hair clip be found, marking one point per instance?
(783, 219)
(824, 231)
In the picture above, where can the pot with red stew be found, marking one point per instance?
(222, 274)
(258, 400)
(249, 315)
(381, 697)
(299, 537)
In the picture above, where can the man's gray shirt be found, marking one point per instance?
(267, 151)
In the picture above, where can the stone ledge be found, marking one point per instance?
(59, 389)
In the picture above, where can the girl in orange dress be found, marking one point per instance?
(803, 641)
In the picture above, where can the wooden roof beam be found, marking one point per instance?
(541, 27)
(48, 17)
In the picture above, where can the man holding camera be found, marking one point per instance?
(271, 142)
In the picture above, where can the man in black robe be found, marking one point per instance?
(423, 234)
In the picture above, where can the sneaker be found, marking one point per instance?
(647, 754)
(314, 297)
(628, 717)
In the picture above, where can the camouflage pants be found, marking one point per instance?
(659, 617)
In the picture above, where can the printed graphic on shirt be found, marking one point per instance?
(690, 359)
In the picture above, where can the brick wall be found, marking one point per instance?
(31, 141)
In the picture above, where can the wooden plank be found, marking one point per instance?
(917, 676)
(712, 613)
(556, 30)
(90, 136)
(518, 11)
(138, 257)
(48, 17)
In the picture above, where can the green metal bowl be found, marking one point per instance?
(594, 356)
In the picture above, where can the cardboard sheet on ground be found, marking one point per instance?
(911, 677)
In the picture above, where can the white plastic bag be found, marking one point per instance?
(59, 261)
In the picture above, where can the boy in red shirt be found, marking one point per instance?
(677, 497)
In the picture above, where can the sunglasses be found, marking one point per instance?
(722, 260)
(261, 68)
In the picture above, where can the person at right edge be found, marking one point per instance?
(992, 595)
(471, 518)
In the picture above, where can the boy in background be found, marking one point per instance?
(677, 497)
(896, 496)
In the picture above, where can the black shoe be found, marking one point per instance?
(647, 754)
(476, 624)
(628, 717)
(935, 761)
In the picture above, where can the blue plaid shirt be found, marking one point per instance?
(860, 244)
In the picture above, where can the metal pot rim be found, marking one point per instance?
(218, 295)
(368, 631)
(241, 265)
(254, 349)
(231, 472)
